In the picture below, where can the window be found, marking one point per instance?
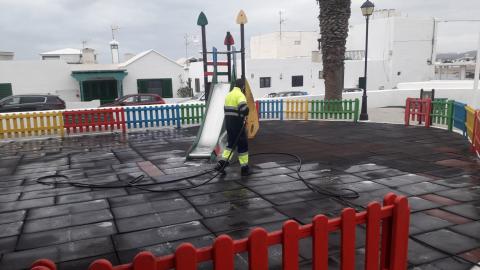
(146, 98)
(297, 42)
(131, 99)
(5, 90)
(162, 87)
(265, 82)
(320, 74)
(297, 81)
(197, 85)
(12, 101)
(26, 100)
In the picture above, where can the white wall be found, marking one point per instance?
(152, 66)
(40, 77)
(271, 45)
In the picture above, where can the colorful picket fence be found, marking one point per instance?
(31, 124)
(441, 112)
(192, 113)
(417, 110)
(449, 113)
(386, 245)
(298, 109)
(460, 117)
(153, 116)
(108, 119)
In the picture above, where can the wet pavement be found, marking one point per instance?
(75, 225)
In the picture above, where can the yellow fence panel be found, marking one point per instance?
(17, 125)
(470, 121)
(296, 109)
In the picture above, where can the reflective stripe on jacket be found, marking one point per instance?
(236, 103)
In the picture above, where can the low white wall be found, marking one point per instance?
(82, 104)
(397, 97)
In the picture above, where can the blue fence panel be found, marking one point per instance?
(153, 116)
(271, 109)
(460, 116)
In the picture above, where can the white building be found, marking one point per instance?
(69, 55)
(147, 72)
(401, 49)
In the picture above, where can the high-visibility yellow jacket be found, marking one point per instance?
(236, 103)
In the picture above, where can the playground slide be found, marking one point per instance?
(212, 125)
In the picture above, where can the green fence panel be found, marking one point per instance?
(442, 112)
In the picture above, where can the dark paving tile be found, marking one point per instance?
(92, 195)
(377, 174)
(460, 181)
(421, 222)
(462, 194)
(159, 235)
(231, 207)
(293, 197)
(469, 210)
(47, 238)
(421, 188)
(141, 198)
(149, 208)
(420, 204)
(7, 244)
(471, 229)
(9, 217)
(27, 204)
(279, 188)
(10, 229)
(221, 186)
(421, 254)
(156, 220)
(310, 209)
(59, 253)
(456, 219)
(223, 196)
(401, 180)
(366, 197)
(472, 256)
(439, 199)
(66, 209)
(445, 264)
(243, 220)
(364, 167)
(448, 241)
(51, 223)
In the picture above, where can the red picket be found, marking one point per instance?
(186, 257)
(418, 109)
(258, 249)
(290, 245)
(144, 261)
(101, 264)
(348, 239)
(320, 242)
(389, 199)
(94, 120)
(391, 250)
(401, 221)
(372, 245)
(223, 253)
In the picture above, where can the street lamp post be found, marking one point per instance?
(367, 10)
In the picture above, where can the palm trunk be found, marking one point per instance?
(334, 16)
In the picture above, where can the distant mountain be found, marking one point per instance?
(455, 56)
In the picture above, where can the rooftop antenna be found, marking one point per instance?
(84, 44)
(282, 20)
(114, 28)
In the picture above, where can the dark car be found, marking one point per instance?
(25, 103)
(137, 99)
(292, 94)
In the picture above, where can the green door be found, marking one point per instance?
(162, 87)
(5, 90)
(105, 90)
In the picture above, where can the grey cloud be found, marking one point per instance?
(30, 27)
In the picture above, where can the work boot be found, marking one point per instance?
(245, 170)
(221, 165)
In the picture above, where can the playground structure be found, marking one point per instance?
(208, 142)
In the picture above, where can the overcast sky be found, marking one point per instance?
(29, 27)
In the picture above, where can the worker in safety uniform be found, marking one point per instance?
(236, 110)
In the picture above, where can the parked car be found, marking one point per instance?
(25, 103)
(292, 94)
(270, 95)
(136, 99)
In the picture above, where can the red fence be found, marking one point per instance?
(418, 109)
(94, 120)
(476, 133)
(386, 243)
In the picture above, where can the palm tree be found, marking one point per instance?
(334, 16)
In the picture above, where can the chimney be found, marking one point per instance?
(114, 50)
(88, 56)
